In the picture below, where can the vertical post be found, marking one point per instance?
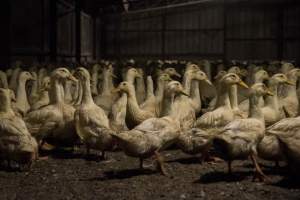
(78, 30)
(5, 47)
(53, 31)
(94, 21)
(224, 33)
(163, 35)
(103, 41)
(42, 56)
(117, 41)
(280, 36)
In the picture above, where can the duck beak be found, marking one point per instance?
(208, 82)
(177, 75)
(270, 93)
(116, 90)
(114, 76)
(184, 93)
(289, 83)
(72, 78)
(243, 84)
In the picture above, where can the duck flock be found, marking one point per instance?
(248, 111)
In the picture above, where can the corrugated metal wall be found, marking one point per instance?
(31, 29)
(210, 30)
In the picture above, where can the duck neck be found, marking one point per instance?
(21, 93)
(3, 79)
(187, 83)
(167, 104)
(255, 109)
(292, 89)
(223, 96)
(56, 96)
(195, 93)
(86, 92)
(272, 101)
(132, 103)
(149, 87)
(105, 84)
(95, 81)
(5, 105)
(233, 97)
(67, 89)
(160, 89)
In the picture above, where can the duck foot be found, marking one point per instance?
(46, 147)
(43, 158)
(258, 174)
(160, 165)
(210, 159)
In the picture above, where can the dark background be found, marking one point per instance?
(87, 30)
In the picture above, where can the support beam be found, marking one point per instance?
(280, 36)
(53, 31)
(5, 47)
(78, 5)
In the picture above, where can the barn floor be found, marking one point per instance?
(69, 176)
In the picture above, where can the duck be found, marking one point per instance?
(272, 106)
(153, 101)
(187, 106)
(154, 134)
(290, 101)
(54, 123)
(140, 87)
(223, 114)
(22, 104)
(239, 138)
(95, 74)
(33, 89)
(282, 142)
(16, 143)
(258, 77)
(105, 99)
(135, 115)
(13, 81)
(216, 83)
(3, 80)
(92, 124)
(44, 94)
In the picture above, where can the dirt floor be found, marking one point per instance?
(71, 176)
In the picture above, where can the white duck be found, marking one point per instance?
(16, 143)
(154, 134)
(272, 108)
(239, 138)
(290, 101)
(92, 124)
(223, 114)
(54, 123)
(22, 105)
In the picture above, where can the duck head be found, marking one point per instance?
(220, 75)
(172, 72)
(63, 74)
(280, 79)
(201, 76)
(175, 87)
(232, 79)
(134, 72)
(260, 89)
(125, 87)
(262, 74)
(82, 74)
(25, 75)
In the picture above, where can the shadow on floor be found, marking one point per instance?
(122, 174)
